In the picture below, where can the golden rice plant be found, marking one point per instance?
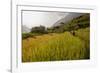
(54, 47)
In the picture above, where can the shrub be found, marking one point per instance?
(26, 35)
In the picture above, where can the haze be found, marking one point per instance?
(36, 18)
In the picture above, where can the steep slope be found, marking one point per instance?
(81, 21)
(67, 18)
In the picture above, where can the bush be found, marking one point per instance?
(26, 35)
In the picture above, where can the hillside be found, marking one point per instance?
(67, 18)
(79, 22)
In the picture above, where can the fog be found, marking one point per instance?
(36, 18)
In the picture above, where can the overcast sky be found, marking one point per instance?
(36, 18)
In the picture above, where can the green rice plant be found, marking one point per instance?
(84, 34)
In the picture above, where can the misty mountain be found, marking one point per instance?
(77, 22)
(67, 18)
(25, 29)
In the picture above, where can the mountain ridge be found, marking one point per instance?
(67, 18)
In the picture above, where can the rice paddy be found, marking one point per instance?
(56, 46)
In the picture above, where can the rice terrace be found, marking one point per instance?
(55, 36)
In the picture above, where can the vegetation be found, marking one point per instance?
(77, 23)
(40, 29)
(68, 41)
(26, 35)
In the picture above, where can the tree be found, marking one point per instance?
(40, 29)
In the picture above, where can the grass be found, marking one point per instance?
(56, 46)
